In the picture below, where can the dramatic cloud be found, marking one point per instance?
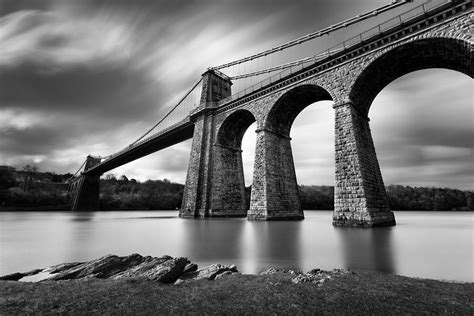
(90, 76)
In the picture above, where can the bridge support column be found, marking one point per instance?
(197, 196)
(228, 187)
(275, 193)
(85, 196)
(196, 191)
(360, 199)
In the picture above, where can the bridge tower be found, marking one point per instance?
(85, 189)
(198, 196)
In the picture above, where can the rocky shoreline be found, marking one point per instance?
(165, 269)
(138, 284)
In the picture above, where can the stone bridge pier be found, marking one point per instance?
(214, 181)
(352, 80)
(215, 184)
(360, 199)
(440, 37)
(85, 189)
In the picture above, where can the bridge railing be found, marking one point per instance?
(384, 27)
(180, 113)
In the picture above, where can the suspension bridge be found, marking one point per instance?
(271, 88)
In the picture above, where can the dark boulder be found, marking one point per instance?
(210, 272)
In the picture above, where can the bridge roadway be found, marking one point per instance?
(184, 130)
(439, 37)
(169, 137)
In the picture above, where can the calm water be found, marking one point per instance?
(432, 245)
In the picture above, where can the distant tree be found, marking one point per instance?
(111, 177)
(30, 174)
(315, 197)
(124, 179)
(57, 178)
(7, 177)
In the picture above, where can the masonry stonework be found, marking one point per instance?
(275, 193)
(228, 187)
(351, 79)
(352, 83)
(85, 191)
(197, 196)
(359, 193)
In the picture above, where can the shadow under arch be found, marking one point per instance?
(232, 130)
(275, 193)
(228, 199)
(448, 53)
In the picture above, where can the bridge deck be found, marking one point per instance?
(349, 49)
(184, 129)
(167, 138)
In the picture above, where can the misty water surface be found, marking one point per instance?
(423, 244)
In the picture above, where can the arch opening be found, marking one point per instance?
(229, 197)
(446, 53)
(360, 194)
(286, 109)
(312, 144)
(275, 194)
(234, 127)
(423, 126)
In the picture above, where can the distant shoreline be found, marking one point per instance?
(63, 208)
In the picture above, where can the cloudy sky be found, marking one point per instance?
(82, 77)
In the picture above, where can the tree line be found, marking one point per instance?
(30, 187)
(123, 193)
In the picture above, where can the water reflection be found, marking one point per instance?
(367, 249)
(213, 240)
(82, 216)
(272, 244)
(434, 245)
(80, 237)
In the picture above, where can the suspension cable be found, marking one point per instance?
(292, 43)
(75, 174)
(316, 34)
(287, 65)
(168, 114)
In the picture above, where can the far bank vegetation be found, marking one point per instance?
(29, 187)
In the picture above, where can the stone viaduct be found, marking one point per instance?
(351, 79)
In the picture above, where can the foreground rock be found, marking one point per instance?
(316, 276)
(210, 273)
(363, 293)
(164, 269)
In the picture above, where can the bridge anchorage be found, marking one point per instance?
(433, 34)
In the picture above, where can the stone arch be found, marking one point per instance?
(450, 53)
(233, 128)
(360, 197)
(275, 193)
(228, 185)
(285, 110)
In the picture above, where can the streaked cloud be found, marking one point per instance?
(89, 76)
